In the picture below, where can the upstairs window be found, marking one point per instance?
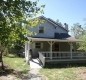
(41, 29)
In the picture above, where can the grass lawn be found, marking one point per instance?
(16, 63)
(65, 73)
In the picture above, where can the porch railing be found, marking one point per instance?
(64, 54)
(61, 55)
(42, 58)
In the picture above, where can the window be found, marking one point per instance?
(41, 29)
(38, 45)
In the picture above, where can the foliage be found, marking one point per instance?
(82, 45)
(14, 17)
(77, 30)
(80, 33)
(13, 14)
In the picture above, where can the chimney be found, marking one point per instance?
(66, 26)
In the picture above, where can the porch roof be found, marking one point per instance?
(69, 39)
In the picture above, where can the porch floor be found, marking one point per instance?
(66, 60)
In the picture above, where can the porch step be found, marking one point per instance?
(35, 63)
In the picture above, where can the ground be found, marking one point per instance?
(69, 72)
(35, 67)
(15, 68)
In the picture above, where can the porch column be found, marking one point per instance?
(51, 50)
(51, 44)
(27, 48)
(71, 47)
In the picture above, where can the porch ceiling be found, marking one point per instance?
(70, 39)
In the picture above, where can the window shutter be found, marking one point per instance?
(41, 45)
(34, 45)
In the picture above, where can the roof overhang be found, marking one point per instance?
(55, 40)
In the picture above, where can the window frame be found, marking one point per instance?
(41, 29)
(38, 45)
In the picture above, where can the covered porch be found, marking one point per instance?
(55, 54)
(61, 57)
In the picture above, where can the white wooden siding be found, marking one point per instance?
(49, 30)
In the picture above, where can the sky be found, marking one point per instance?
(67, 11)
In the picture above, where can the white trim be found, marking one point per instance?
(41, 45)
(55, 40)
(27, 46)
(75, 52)
(51, 45)
(65, 55)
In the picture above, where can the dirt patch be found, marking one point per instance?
(81, 73)
(7, 74)
(8, 77)
(10, 74)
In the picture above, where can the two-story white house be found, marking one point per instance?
(52, 43)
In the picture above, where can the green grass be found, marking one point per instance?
(16, 63)
(68, 73)
(59, 74)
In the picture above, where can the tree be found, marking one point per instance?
(14, 15)
(80, 33)
(77, 30)
(82, 45)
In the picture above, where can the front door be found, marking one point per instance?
(56, 47)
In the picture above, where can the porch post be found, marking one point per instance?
(51, 44)
(51, 50)
(71, 46)
(27, 47)
(25, 50)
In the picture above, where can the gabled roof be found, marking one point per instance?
(53, 22)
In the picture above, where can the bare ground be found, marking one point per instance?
(10, 74)
(81, 73)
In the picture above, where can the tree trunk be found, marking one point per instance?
(2, 66)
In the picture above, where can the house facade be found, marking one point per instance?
(51, 42)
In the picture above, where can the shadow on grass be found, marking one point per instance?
(14, 56)
(19, 74)
(6, 71)
(64, 65)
